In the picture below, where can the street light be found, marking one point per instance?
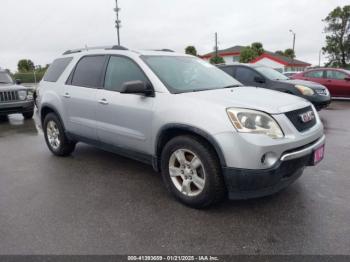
(290, 30)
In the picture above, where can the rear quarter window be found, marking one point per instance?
(56, 69)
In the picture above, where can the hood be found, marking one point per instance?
(272, 102)
(11, 87)
(310, 84)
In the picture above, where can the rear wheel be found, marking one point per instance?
(191, 172)
(55, 137)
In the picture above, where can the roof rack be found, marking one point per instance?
(164, 50)
(115, 47)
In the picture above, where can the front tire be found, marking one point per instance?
(28, 115)
(55, 137)
(191, 172)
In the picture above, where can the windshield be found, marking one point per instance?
(271, 74)
(5, 78)
(188, 74)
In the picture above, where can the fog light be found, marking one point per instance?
(269, 159)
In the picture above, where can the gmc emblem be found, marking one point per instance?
(307, 116)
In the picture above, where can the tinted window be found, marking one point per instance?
(314, 74)
(332, 74)
(56, 69)
(88, 72)
(245, 75)
(121, 70)
(227, 69)
(271, 73)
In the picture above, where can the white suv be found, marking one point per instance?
(209, 136)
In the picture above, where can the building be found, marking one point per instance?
(270, 59)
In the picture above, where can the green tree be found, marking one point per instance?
(25, 65)
(248, 54)
(289, 53)
(258, 47)
(279, 52)
(338, 37)
(217, 60)
(191, 50)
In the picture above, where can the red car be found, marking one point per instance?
(336, 80)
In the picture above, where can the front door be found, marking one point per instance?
(124, 120)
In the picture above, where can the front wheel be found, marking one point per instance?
(55, 137)
(191, 172)
(28, 115)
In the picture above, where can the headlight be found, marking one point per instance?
(22, 94)
(306, 91)
(30, 95)
(251, 121)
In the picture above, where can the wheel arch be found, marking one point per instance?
(45, 110)
(170, 131)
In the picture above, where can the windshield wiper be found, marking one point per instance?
(230, 86)
(4, 82)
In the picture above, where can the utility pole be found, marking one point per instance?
(319, 58)
(216, 44)
(117, 21)
(290, 30)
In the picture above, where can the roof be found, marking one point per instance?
(236, 50)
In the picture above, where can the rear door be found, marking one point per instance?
(79, 96)
(124, 120)
(336, 80)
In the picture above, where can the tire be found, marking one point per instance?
(209, 170)
(53, 130)
(28, 115)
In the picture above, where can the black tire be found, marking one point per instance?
(66, 146)
(214, 189)
(28, 115)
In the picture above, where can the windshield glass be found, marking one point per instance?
(5, 78)
(188, 74)
(271, 74)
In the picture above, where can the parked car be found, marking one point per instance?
(336, 80)
(266, 77)
(290, 73)
(15, 98)
(208, 135)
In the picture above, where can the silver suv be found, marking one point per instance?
(208, 135)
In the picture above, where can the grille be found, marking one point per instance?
(8, 96)
(294, 117)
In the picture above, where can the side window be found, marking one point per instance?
(56, 69)
(121, 70)
(314, 74)
(88, 72)
(245, 75)
(332, 74)
(227, 69)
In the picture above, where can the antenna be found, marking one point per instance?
(117, 21)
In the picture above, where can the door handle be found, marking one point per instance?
(66, 95)
(103, 101)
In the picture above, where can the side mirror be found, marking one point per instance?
(347, 78)
(137, 87)
(259, 79)
(18, 81)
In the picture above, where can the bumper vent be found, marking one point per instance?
(8, 96)
(296, 118)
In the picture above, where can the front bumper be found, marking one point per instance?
(253, 183)
(16, 107)
(319, 101)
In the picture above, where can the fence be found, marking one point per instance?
(29, 77)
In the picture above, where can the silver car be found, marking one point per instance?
(209, 136)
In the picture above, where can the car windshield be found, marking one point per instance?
(270, 73)
(5, 78)
(182, 74)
